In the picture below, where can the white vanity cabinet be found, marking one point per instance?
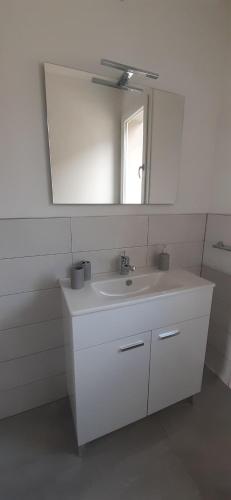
(176, 362)
(112, 385)
(134, 358)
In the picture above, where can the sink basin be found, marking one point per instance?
(129, 285)
(110, 291)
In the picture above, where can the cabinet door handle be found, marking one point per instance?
(131, 346)
(166, 335)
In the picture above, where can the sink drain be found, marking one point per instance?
(129, 282)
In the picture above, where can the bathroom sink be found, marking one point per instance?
(129, 285)
(110, 291)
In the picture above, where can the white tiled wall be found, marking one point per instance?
(35, 253)
(101, 240)
(176, 228)
(100, 233)
(217, 268)
(28, 237)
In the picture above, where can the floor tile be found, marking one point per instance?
(180, 453)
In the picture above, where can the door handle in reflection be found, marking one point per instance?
(131, 346)
(139, 171)
(167, 335)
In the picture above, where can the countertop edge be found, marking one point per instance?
(140, 300)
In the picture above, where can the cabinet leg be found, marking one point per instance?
(191, 400)
(81, 451)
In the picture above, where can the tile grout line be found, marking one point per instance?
(148, 228)
(62, 373)
(140, 246)
(30, 355)
(71, 237)
(148, 222)
(34, 256)
(36, 290)
(204, 241)
(63, 217)
(30, 324)
(2, 331)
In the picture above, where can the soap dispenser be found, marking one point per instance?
(164, 260)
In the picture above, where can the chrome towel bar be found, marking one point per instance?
(221, 246)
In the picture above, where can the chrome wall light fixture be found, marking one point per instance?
(127, 74)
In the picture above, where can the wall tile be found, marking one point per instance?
(33, 273)
(218, 364)
(176, 228)
(222, 290)
(31, 395)
(218, 228)
(31, 307)
(138, 256)
(220, 339)
(30, 339)
(28, 369)
(153, 255)
(195, 270)
(183, 255)
(28, 237)
(105, 261)
(217, 259)
(101, 233)
(217, 268)
(102, 261)
(221, 315)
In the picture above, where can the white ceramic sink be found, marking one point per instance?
(112, 291)
(129, 285)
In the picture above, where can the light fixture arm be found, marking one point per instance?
(124, 79)
(128, 72)
(129, 69)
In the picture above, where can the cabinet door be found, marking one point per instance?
(177, 361)
(112, 385)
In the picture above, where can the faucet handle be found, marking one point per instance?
(125, 259)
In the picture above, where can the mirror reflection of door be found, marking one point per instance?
(133, 170)
(110, 146)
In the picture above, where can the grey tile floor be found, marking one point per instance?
(181, 453)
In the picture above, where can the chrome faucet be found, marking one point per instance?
(125, 266)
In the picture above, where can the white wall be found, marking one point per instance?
(221, 194)
(182, 39)
(217, 268)
(217, 263)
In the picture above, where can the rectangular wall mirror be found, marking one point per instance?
(108, 145)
